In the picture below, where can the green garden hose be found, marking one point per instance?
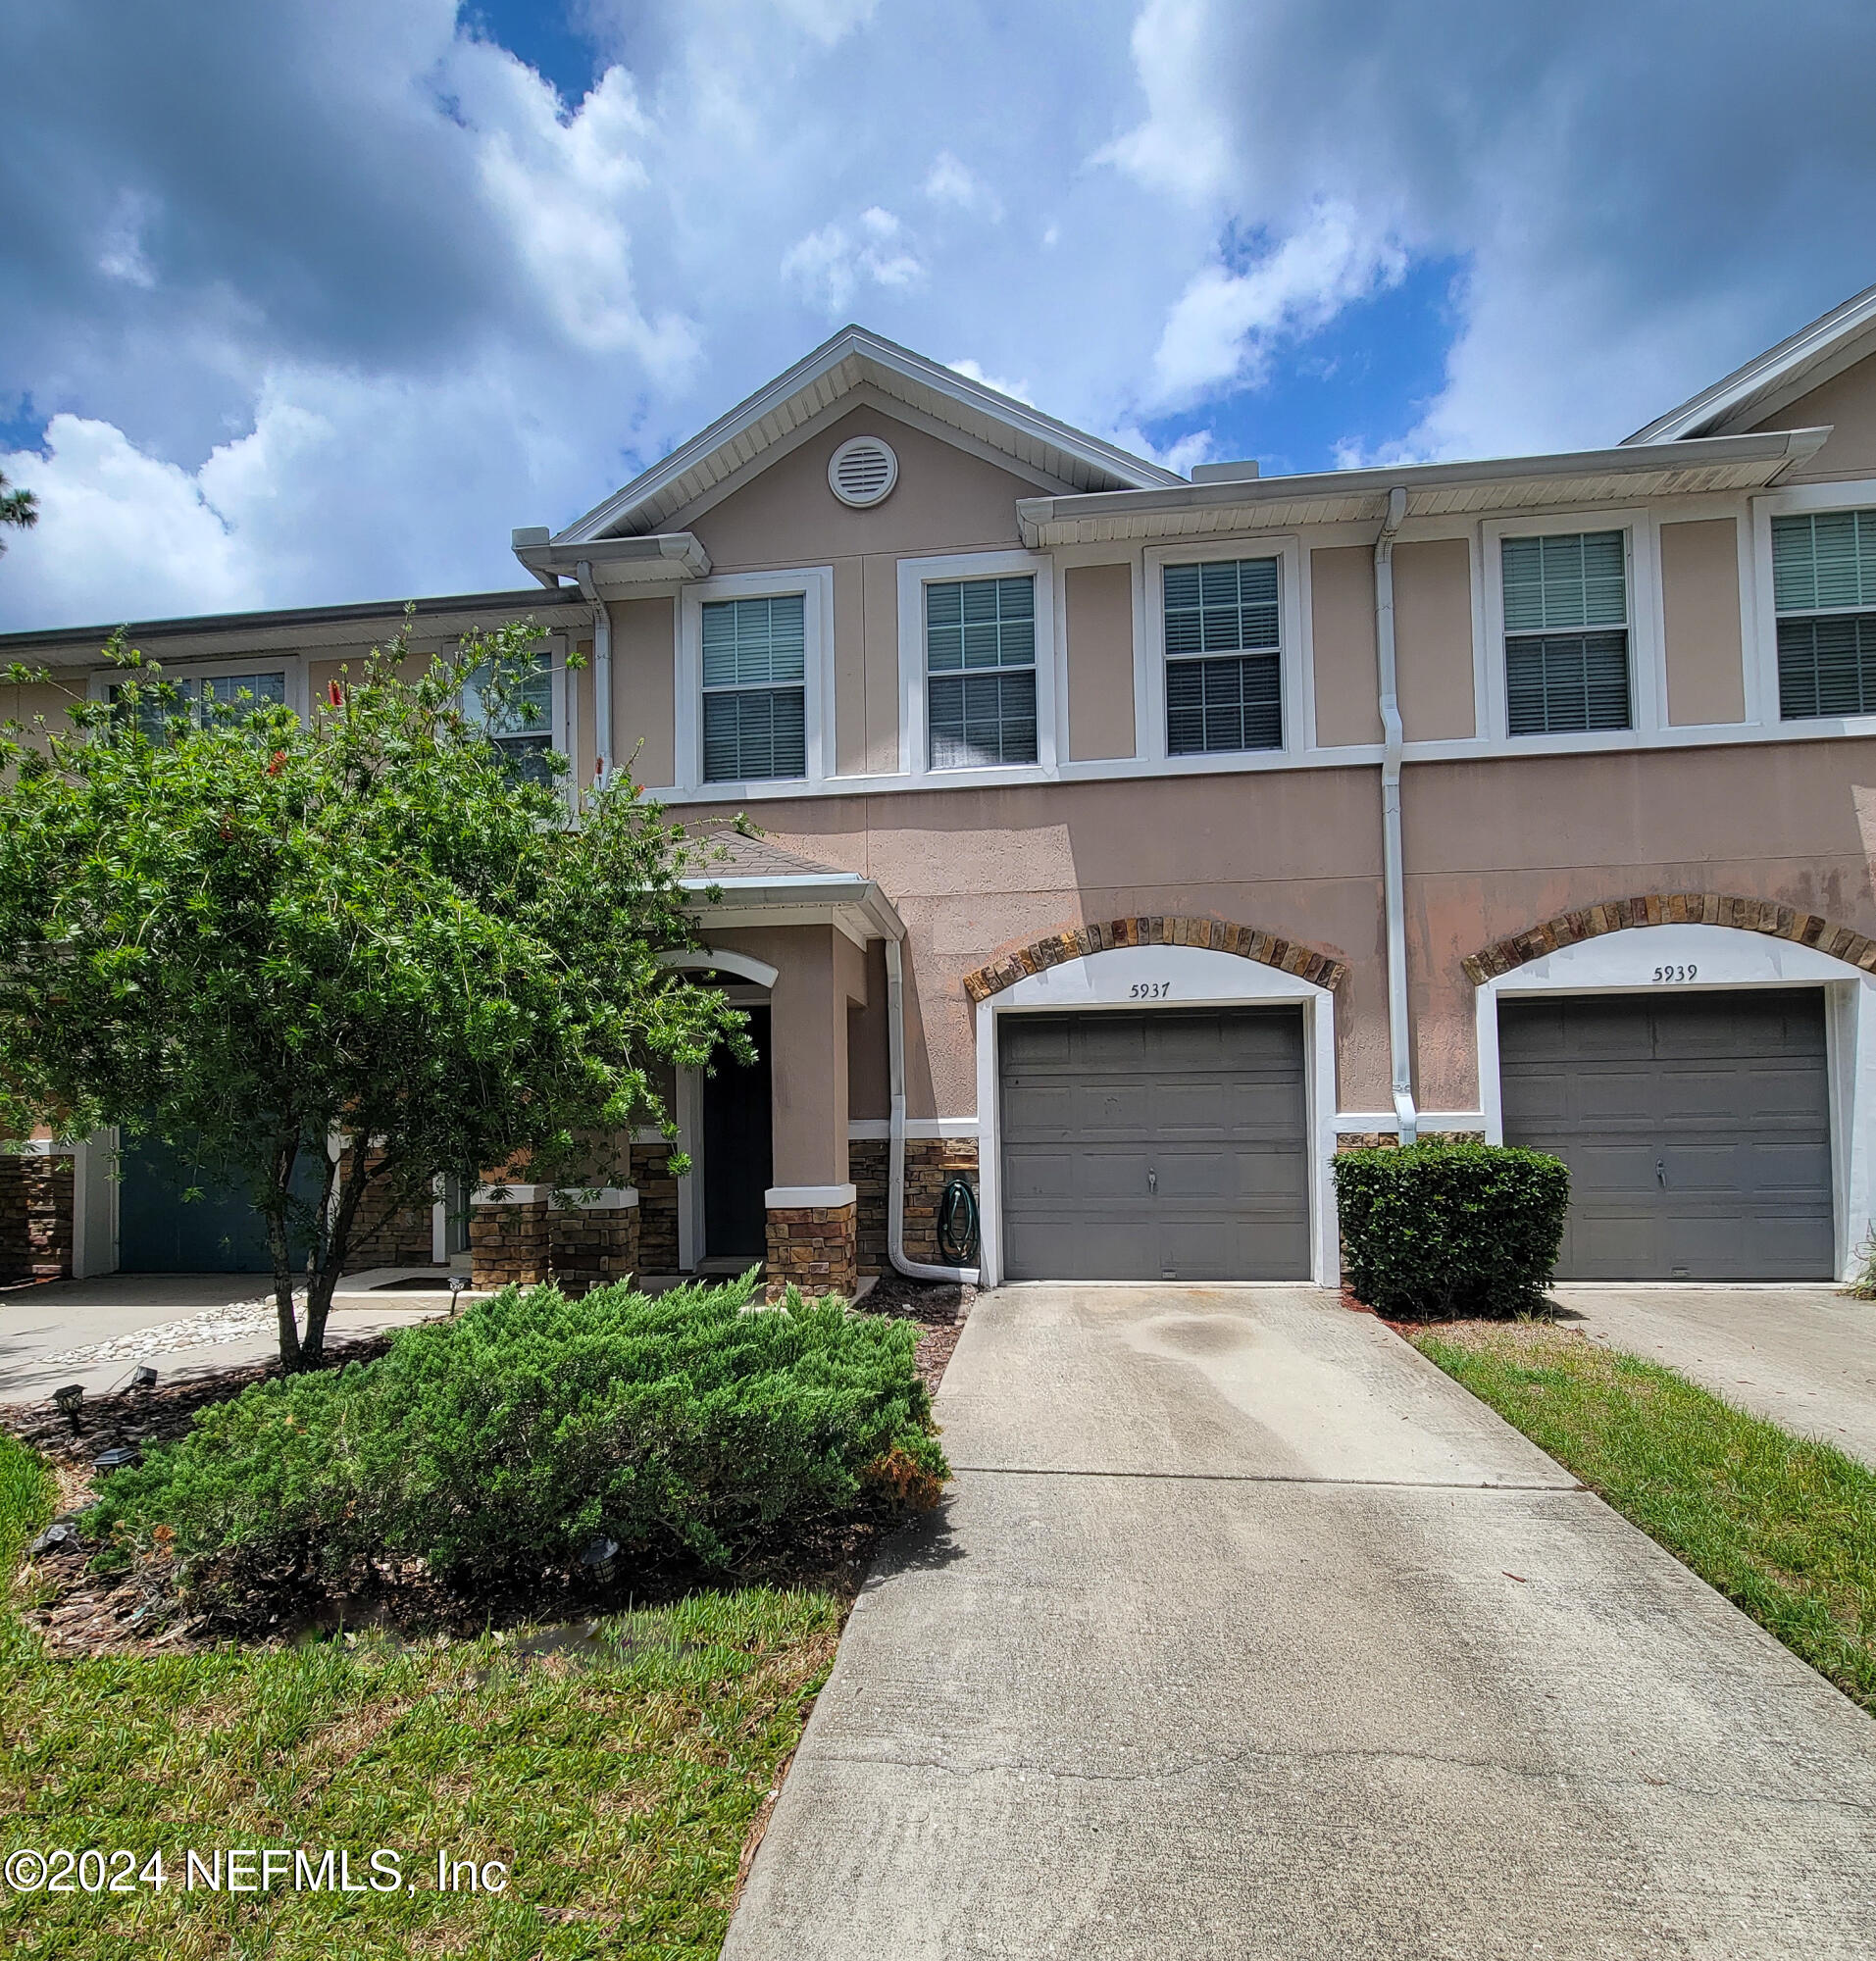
(958, 1224)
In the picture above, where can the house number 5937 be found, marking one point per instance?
(1667, 974)
(1150, 990)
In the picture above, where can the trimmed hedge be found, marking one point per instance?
(498, 1446)
(1441, 1230)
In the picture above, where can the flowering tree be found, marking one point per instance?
(248, 934)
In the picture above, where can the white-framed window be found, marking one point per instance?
(1565, 597)
(1226, 683)
(980, 671)
(977, 664)
(231, 687)
(1570, 629)
(526, 724)
(1222, 624)
(1824, 606)
(755, 660)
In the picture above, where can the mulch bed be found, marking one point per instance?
(80, 1612)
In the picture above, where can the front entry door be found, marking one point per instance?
(738, 1152)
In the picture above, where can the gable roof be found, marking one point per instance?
(853, 361)
(1771, 380)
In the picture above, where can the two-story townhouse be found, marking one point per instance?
(1131, 844)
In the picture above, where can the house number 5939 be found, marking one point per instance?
(1150, 990)
(1667, 974)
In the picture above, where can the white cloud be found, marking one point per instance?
(831, 264)
(951, 182)
(1018, 391)
(1225, 325)
(121, 255)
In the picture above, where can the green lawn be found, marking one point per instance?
(1784, 1528)
(616, 1788)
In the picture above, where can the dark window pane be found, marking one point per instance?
(1827, 666)
(754, 734)
(1216, 706)
(981, 719)
(1558, 683)
(1222, 606)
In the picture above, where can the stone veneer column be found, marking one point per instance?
(813, 1245)
(596, 1240)
(509, 1236)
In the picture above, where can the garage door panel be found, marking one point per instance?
(1695, 1126)
(1208, 1100)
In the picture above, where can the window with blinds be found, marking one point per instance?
(218, 697)
(1824, 595)
(1566, 632)
(521, 724)
(1224, 662)
(755, 689)
(980, 671)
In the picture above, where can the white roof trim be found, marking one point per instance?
(832, 372)
(1617, 475)
(1806, 361)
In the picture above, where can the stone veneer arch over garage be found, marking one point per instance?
(1647, 909)
(1323, 970)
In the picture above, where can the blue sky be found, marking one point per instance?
(313, 301)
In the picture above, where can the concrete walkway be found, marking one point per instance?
(1246, 1633)
(40, 1326)
(1804, 1356)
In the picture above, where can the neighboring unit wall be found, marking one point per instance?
(1341, 605)
(1432, 639)
(35, 1217)
(1099, 603)
(1700, 610)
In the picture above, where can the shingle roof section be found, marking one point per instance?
(734, 854)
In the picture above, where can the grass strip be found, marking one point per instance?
(1784, 1528)
(616, 1781)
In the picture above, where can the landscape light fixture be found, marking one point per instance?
(68, 1401)
(144, 1378)
(599, 1552)
(457, 1282)
(113, 1459)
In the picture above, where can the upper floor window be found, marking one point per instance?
(197, 699)
(980, 668)
(1824, 594)
(1566, 632)
(521, 724)
(1224, 678)
(754, 688)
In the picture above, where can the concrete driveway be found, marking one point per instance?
(1245, 1631)
(1804, 1356)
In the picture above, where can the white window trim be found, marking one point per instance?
(1729, 957)
(560, 712)
(1647, 671)
(1293, 664)
(1858, 493)
(1198, 977)
(815, 583)
(915, 575)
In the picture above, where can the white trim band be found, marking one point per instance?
(807, 1197)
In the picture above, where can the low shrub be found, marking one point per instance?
(1443, 1230)
(500, 1445)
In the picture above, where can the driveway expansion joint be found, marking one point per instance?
(1266, 1477)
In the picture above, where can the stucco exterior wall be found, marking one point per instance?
(1341, 605)
(1701, 609)
(1846, 405)
(1494, 847)
(946, 500)
(1432, 639)
(1099, 603)
(32, 703)
(643, 687)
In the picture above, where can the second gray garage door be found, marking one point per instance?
(1696, 1129)
(1165, 1145)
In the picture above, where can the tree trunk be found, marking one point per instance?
(335, 1244)
(279, 1248)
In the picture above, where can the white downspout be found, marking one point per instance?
(601, 675)
(1393, 877)
(896, 1132)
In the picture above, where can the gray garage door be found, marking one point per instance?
(1165, 1145)
(1696, 1129)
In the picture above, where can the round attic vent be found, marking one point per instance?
(862, 470)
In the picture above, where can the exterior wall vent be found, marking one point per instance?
(863, 472)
